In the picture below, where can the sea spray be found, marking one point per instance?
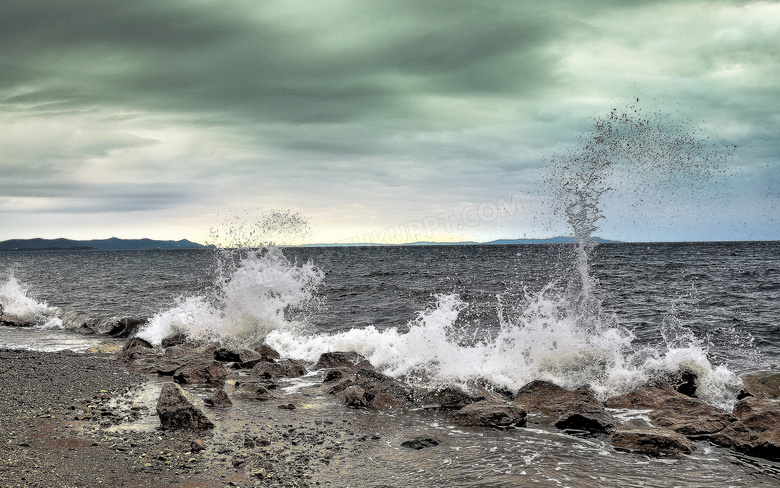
(246, 304)
(257, 289)
(15, 300)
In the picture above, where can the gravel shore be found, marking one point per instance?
(51, 410)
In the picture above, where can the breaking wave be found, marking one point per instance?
(15, 300)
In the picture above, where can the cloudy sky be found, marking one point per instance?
(375, 120)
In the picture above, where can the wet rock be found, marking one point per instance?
(685, 382)
(135, 349)
(490, 415)
(252, 390)
(357, 397)
(762, 417)
(651, 441)
(570, 409)
(201, 372)
(125, 327)
(218, 399)
(762, 385)
(177, 410)
(334, 375)
(760, 414)
(736, 436)
(174, 340)
(420, 443)
(690, 416)
(649, 396)
(197, 445)
(343, 359)
(379, 391)
(237, 355)
(287, 368)
(267, 351)
(13, 321)
(449, 398)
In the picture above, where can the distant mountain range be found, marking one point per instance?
(112, 244)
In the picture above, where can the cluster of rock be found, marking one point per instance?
(676, 417)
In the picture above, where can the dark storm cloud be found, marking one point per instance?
(336, 62)
(334, 102)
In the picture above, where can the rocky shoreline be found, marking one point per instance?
(199, 414)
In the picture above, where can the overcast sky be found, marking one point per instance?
(375, 120)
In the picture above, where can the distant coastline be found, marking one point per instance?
(116, 244)
(112, 244)
(552, 240)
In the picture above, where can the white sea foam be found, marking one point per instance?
(541, 343)
(253, 292)
(15, 300)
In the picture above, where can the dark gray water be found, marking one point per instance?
(726, 293)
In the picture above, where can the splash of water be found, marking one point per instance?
(15, 300)
(257, 289)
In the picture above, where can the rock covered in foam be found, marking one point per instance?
(177, 410)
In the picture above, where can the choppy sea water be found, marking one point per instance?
(447, 314)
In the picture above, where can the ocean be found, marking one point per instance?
(441, 315)
(717, 301)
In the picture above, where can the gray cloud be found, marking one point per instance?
(322, 104)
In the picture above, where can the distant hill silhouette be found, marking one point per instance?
(112, 244)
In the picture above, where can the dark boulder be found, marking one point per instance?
(267, 351)
(762, 385)
(420, 443)
(252, 390)
(569, 409)
(495, 415)
(202, 373)
(174, 340)
(244, 358)
(760, 414)
(13, 321)
(136, 348)
(177, 411)
(343, 359)
(379, 391)
(286, 368)
(690, 417)
(651, 441)
(448, 398)
(218, 399)
(357, 397)
(125, 327)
